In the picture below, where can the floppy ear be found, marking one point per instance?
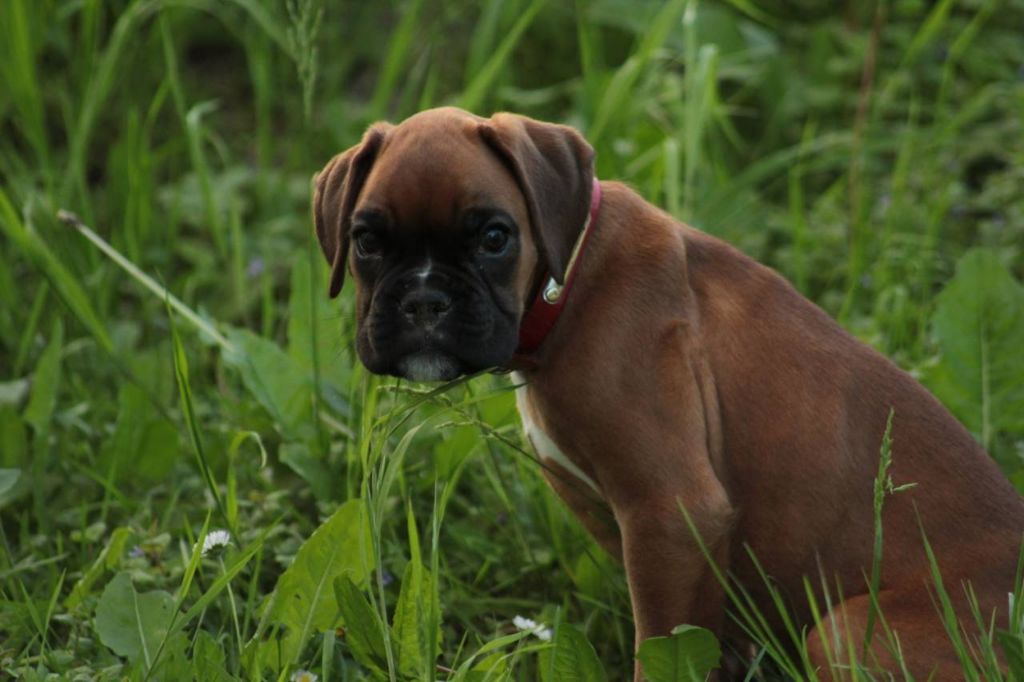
(554, 167)
(335, 190)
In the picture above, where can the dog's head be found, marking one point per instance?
(446, 222)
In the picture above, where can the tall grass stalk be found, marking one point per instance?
(100, 84)
(21, 77)
(861, 168)
(618, 93)
(192, 422)
(700, 96)
(883, 485)
(145, 280)
(474, 95)
(399, 51)
(305, 17)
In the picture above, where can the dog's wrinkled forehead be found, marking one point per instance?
(434, 166)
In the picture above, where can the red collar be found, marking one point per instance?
(540, 317)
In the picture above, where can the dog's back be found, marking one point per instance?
(806, 444)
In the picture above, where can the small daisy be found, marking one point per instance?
(304, 676)
(542, 632)
(215, 539)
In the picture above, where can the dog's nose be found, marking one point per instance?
(425, 307)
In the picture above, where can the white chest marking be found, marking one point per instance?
(545, 448)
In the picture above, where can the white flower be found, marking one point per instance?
(542, 632)
(304, 676)
(523, 623)
(215, 539)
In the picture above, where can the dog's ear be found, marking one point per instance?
(335, 190)
(554, 167)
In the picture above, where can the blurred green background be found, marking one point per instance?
(872, 152)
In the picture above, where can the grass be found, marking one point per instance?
(175, 367)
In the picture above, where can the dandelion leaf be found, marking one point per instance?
(278, 382)
(416, 623)
(208, 659)
(134, 625)
(571, 659)
(979, 327)
(363, 630)
(304, 601)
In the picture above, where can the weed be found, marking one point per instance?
(169, 363)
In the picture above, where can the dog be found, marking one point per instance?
(689, 405)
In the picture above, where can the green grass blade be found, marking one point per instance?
(145, 280)
(618, 94)
(192, 422)
(64, 283)
(399, 50)
(476, 91)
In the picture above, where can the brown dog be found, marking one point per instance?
(679, 374)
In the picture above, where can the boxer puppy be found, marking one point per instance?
(664, 371)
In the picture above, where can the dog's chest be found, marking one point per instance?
(546, 449)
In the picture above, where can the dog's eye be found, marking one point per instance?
(368, 244)
(494, 240)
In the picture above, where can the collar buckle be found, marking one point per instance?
(542, 314)
(553, 291)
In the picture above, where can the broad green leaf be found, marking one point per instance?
(133, 625)
(979, 326)
(415, 617)
(571, 658)
(303, 600)
(689, 654)
(451, 451)
(45, 382)
(313, 325)
(590, 571)
(172, 663)
(417, 620)
(144, 444)
(281, 385)
(311, 468)
(363, 628)
(107, 560)
(208, 659)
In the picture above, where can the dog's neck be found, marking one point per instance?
(550, 296)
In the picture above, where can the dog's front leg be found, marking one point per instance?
(670, 579)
